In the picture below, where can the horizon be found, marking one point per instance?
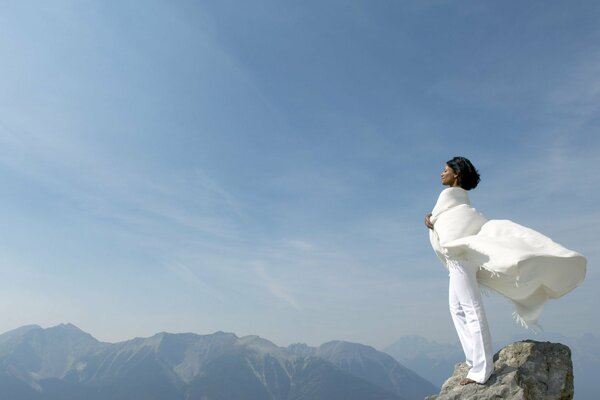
(499, 344)
(265, 168)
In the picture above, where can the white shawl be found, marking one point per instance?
(523, 265)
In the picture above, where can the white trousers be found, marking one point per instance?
(469, 319)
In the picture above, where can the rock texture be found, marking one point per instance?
(527, 370)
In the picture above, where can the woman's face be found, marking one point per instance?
(449, 177)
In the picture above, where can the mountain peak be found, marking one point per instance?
(341, 348)
(70, 332)
(19, 332)
(65, 362)
(68, 327)
(302, 349)
(258, 343)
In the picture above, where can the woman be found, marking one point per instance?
(521, 264)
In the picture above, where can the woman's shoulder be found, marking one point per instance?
(450, 197)
(454, 191)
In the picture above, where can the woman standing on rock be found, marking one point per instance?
(520, 263)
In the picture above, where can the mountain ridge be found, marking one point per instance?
(64, 362)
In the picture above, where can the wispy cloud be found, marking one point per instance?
(276, 288)
(301, 245)
(578, 94)
(188, 275)
(98, 184)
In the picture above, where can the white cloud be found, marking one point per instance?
(188, 275)
(150, 200)
(275, 287)
(301, 245)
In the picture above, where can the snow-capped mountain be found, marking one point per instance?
(66, 363)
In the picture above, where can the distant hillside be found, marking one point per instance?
(374, 366)
(429, 359)
(65, 363)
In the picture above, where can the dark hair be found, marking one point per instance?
(468, 177)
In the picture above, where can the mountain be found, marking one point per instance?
(431, 360)
(372, 365)
(66, 363)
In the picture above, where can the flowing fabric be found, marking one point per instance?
(525, 266)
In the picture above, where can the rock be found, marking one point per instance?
(527, 370)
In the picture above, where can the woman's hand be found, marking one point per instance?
(428, 221)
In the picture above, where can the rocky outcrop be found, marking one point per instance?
(527, 370)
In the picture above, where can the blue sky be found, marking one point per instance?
(264, 167)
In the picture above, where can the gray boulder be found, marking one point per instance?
(527, 370)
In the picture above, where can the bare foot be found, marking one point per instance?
(466, 381)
